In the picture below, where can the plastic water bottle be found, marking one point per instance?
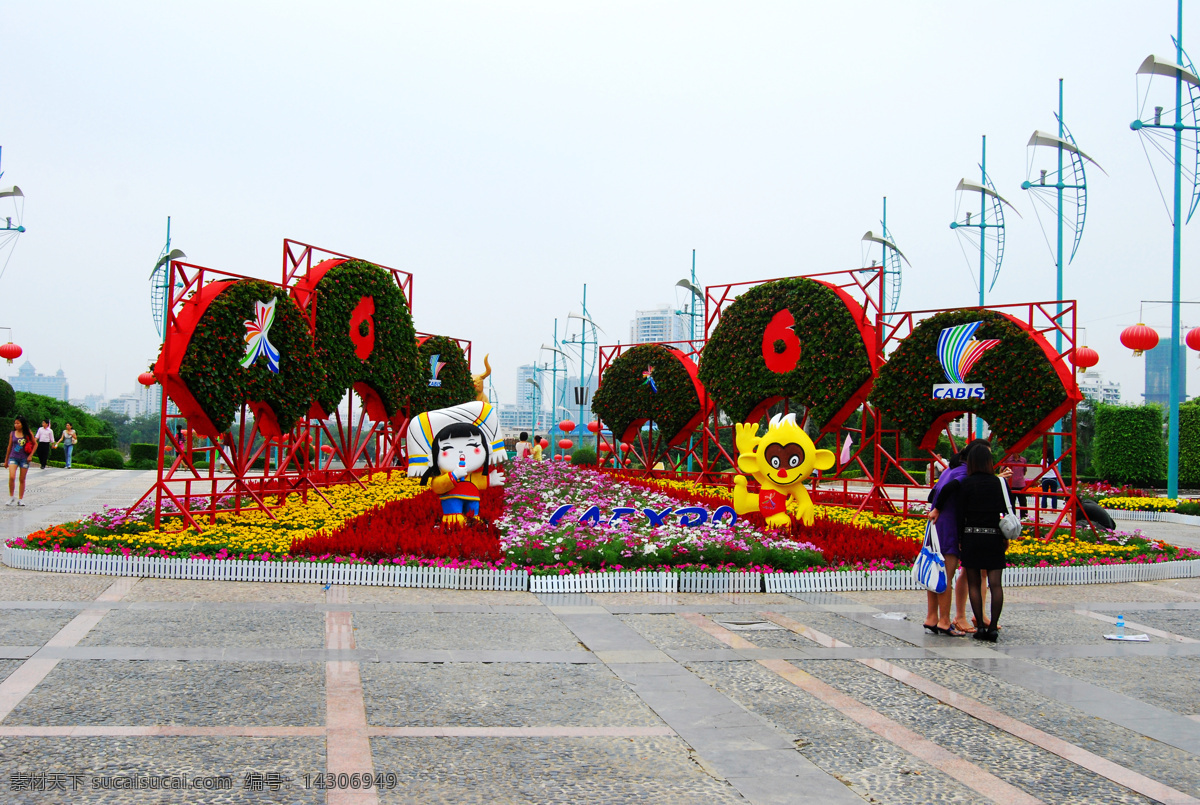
(1121, 627)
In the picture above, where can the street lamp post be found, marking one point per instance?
(697, 301)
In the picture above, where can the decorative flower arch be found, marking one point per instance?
(627, 400)
(456, 386)
(794, 338)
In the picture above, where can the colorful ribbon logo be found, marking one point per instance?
(258, 342)
(958, 350)
(435, 369)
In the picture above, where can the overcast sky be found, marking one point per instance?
(507, 153)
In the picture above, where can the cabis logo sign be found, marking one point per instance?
(959, 351)
(435, 369)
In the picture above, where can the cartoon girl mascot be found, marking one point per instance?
(452, 449)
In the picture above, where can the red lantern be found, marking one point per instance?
(626, 447)
(560, 457)
(328, 449)
(1193, 338)
(566, 444)
(544, 443)
(605, 447)
(594, 426)
(1139, 338)
(10, 351)
(147, 379)
(566, 426)
(628, 462)
(1085, 358)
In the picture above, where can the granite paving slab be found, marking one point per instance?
(226, 591)
(1166, 682)
(249, 629)
(107, 758)
(31, 585)
(1125, 747)
(409, 595)
(543, 770)
(25, 627)
(7, 667)
(1034, 770)
(494, 695)
(193, 694)
(1180, 622)
(671, 633)
(537, 629)
(874, 768)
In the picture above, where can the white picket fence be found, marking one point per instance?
(520, 580)
(629, 581)
(155, 567)
(1154, 517)
(869, 580)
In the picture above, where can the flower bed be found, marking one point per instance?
(392, 521)
(1140, 504)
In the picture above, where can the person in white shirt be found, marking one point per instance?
(523, 448)
(44, 438)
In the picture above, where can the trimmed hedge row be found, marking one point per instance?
(1129, 446)
(1189, 444)
(141, 451)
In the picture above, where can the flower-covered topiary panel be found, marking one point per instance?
(364, 335)
(212, 372)
(625, 401)
(1025, 391)
(746, 368)
(456, 386)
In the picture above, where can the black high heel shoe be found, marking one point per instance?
(932, 628)
(989, 635)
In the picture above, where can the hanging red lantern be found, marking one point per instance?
(605, 447)
(566, 426)
(594, 426)
(10, 351)
(328, 449)
(1139, 338)
(560, 457)
(566, 444)
(1085, 358)
(1193, 338)
(628, 462)
(544, 443)
(626, 447)
(147, 379)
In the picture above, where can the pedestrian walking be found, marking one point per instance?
(983, 501)
(1049, 478)
(523, 448)
(68, 439)
(45, 438)
(1016, 482)
(16, 458)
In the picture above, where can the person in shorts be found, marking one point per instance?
(16, 458)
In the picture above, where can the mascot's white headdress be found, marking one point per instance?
(424, 428)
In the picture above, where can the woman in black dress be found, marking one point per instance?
(981, 505)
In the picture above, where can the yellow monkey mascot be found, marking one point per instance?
(780, 461)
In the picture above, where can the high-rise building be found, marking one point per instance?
(660, 325)
(1158, 374)
(527, 393)
(1094, 387)
(27, 379)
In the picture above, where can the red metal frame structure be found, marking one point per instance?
(299, 461)
(876, 451)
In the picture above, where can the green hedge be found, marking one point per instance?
(1189, 444)
(37, 407)
(583, 457)
(8, 400)
(143, 452)
(1129, 446)
(109, 459)
(92, 443)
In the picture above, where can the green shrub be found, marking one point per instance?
(1189, 444)
(8, 399)
(584, 457)
(38, 407)
(1190, 507)
(1129, 445)
(143, 464)
(141, 452)
(93, 443)
(109, 459)
(81, 457)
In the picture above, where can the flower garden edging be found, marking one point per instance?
(156, 567)
(1154, 517)
(871, 580)
(630, 581)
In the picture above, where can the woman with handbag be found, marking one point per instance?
(985, 525)
(68, 440)
(20, 448)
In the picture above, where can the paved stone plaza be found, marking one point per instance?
(487, 697)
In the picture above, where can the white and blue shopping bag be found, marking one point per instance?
(929, 570)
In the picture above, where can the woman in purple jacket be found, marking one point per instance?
(945, 515)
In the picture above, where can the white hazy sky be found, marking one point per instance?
(506, 153)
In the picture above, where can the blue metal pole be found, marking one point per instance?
(554, 391)
(1176, 363)
(1059, 263)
